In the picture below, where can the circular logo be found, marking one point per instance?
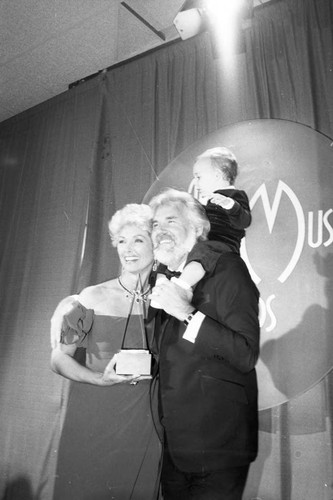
(287, 171)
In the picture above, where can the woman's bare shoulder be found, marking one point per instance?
(93, 295)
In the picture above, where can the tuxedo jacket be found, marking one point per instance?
(208, 389)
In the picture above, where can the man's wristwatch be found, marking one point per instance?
(189, 317)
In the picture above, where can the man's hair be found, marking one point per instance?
(137, 215)
(188, 205)
(223, 159)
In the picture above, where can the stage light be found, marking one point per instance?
(221, 17)
(224, 17)
(223, 9)
(189, 23)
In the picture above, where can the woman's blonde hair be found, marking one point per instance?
(138, 215)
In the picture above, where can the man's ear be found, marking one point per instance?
(198, 232)
(219, 175)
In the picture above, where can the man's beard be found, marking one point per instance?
(172, 255)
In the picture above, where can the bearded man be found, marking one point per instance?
(208, 346)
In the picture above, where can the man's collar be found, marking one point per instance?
(161, 267)
(227, 187)
(181, 267)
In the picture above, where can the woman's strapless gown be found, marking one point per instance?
(109, 447)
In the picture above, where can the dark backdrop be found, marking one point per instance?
(69, 163)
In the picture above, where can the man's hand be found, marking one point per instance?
(173, 299)
(56, 321)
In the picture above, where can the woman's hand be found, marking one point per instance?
(110, 377)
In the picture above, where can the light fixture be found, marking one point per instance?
(189, 23)
(213, 15)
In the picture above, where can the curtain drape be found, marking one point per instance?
(67, 165)
(289, 62)
(46, 159)
(147, 119)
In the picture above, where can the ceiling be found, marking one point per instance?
(46, 45)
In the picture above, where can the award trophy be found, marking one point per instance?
(135, 361)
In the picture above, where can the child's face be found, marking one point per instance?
(206, 177)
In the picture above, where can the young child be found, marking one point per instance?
(227, 209)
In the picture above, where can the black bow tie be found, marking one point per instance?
(169, 274)
(162, 269)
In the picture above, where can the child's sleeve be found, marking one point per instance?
(207, 253)
(240, 214)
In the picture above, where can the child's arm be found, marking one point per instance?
(202, 259)
(236, 207)
(222, 200)
(192, 273)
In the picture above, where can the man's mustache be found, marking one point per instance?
(161, 237)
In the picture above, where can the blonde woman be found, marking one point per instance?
(109, 447)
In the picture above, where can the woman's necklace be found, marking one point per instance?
(137, 295)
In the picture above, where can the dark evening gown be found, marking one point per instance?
(109, 446)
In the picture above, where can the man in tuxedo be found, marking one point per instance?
(208, 347)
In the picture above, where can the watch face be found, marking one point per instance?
(286, 170)
(189, 317)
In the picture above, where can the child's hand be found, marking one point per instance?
(222, 201)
